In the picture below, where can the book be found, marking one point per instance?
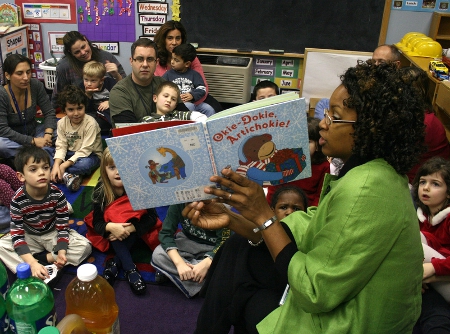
(266, 140)
(130, 128)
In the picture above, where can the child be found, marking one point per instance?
(312, 186)
(431, 193)
(243, 284)
(190, 82)
(185, 257)
(265, 89)
(9, 183)
(79, 144)
(39, 220)
(97, 86)
(114, 222)
(166, 99)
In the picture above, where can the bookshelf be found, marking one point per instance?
(440, 29)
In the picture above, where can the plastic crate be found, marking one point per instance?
(49, 69)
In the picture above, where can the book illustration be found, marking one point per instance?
(163, 166)
(261, 162)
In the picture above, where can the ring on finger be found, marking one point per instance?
(229, 197)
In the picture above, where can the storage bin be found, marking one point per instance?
(49, 69)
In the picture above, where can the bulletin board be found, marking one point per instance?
(291, 26)
(322, 68)
(107, 20)
(47, 11)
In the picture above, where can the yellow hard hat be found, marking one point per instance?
(431, 49)
(403, 42)
(416, 40)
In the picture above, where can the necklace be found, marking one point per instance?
(22, 115)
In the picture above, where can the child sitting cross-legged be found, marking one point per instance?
(40, 220)
(79, 143)
(166, 99)
(190, 82)
(113, 222)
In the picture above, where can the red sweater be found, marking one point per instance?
(435, 140)
(437, 233)
(312, 186)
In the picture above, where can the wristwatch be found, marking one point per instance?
(265, 225)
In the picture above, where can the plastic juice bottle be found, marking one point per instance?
(93, 299)
(29, 303)
(4, 285)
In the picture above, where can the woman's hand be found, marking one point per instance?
(118, 230)
(209, 215)
(42, 142)
(112, 69)
(246, 196)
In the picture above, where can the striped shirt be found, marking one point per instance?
(39, 217)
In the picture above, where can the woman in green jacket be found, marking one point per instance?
(355, 265)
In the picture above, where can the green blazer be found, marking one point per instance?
(358, 268)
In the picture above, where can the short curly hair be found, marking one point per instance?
(390, 123)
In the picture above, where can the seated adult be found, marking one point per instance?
(170, 35)
(436, 141)
(341, 260)
(78, 50)
(132, 98)
(386, 53)
(19, 100)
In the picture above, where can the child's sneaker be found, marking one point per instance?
(72, 181)
(69, 208)
(54, 274)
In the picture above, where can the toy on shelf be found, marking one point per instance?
(438, 69)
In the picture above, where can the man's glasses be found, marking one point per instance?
(329, 120)
(141, 60)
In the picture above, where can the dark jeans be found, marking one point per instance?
(435, 315)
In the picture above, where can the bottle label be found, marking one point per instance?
(4, 323)
(33, 327)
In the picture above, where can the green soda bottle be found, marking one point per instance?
(4, 285)
(29, 303)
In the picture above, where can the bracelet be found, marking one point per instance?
(257, 244)
(265, 225)
(48, 133)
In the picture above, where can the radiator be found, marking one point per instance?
(229, 78)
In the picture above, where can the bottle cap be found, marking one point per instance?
(87, 272)
(23, 270)
(49, 330)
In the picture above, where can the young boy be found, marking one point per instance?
(190, 82)
(166, 99)
(264, 89)
(39, 220)
(97, 86)
(79, 144)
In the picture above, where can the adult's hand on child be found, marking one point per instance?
(185, 271)
(103, 106)
(209, 215)
(112, 69)
(201, 269)
(42, 142)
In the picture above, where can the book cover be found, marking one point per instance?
(265, 140)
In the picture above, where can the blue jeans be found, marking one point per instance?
(83, 166)
(9, 148)
(203, 107)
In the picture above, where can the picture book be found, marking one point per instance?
(266, 141)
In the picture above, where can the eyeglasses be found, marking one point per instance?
(329, 120)
(141, 60)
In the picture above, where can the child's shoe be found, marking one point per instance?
(69, 208)
(72, 181)
(111, 271)
(55, 275)
(135, 281)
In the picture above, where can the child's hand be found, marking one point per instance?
(201, 269)
(118, 230)
(56, 174)
(61, 259)
(428, 270)
(186, 97)
(185, 271)
(103, 106)
(38, 270)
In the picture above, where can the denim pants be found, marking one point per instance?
(83, 166)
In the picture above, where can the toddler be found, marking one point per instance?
(189, 81)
